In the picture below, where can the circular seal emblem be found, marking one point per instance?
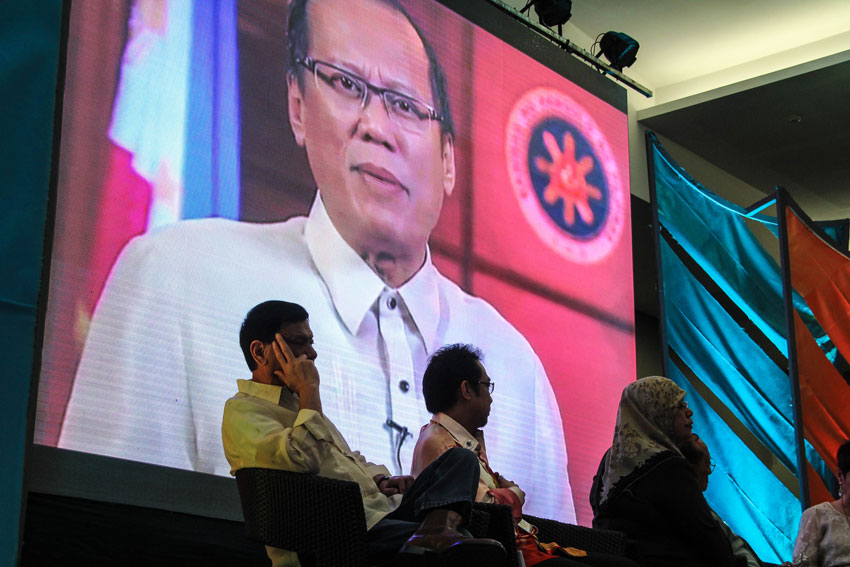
(565, 177)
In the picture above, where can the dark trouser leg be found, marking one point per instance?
(386, 538)
(450, 482)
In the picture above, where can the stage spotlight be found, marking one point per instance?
(551, 12)
(618, 48)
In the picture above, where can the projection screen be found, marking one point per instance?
(196, 180)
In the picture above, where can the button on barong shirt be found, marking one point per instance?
(263, 427)
(163, 347)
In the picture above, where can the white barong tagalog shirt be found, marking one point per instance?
(163, 347)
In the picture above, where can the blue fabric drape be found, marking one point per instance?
(727, 346)
(715, 234)
(212, 167)
(838, 230)
(725, 328)
(719, 352)
(738, 478)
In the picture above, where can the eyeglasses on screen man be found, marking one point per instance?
(351, 91)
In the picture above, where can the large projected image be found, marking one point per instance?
(411, 187)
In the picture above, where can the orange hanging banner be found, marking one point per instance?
(821, 275)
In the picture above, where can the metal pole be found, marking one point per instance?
(793, 375)
(656, 233)
(572, 48)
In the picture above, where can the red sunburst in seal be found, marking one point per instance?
(565, 176)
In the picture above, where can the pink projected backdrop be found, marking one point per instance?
(525, 215)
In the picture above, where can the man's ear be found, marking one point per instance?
(449, 171)
(295, 99)
(466, 390)
(258, 352)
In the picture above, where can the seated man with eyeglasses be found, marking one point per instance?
(367, 101)
(458, 392)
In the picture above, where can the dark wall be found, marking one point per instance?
(647, 330)
(71, 531)
(30, 41)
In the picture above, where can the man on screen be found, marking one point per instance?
(367, 101)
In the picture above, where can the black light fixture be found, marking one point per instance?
(551, 12)
(618, 48)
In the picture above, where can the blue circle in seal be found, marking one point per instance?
(539, 180)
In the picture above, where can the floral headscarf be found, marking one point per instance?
(644, 428)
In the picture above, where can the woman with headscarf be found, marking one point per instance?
(647, 489)
(824, 536)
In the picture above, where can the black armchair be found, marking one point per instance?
(588, 539)
(500, 527)
(310, 514)
(322, 518)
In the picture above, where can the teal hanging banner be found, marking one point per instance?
(724, 327)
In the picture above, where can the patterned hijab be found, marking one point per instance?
(644, 428)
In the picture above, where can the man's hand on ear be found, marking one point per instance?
(298, 373)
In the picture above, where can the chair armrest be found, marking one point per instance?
(495, 521)
(570, 535)
(305, 513)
